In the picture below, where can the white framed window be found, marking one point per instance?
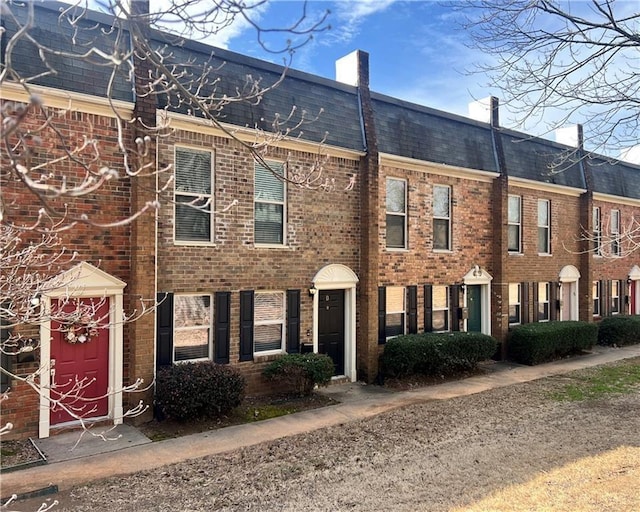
(193, 195)
(515, 316)
(543, 302)
(270, 204)
(615, 232)
(192, 327)
(442, 218)
(514, 215)
(615, 297)
(269, 322)
(597, 307)
(544, 226)
(395, 311)
(440, 311)
(597, 231)
(396, 201)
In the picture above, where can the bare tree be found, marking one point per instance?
(563, 63)
(56, 180)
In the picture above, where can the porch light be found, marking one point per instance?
(313, 290)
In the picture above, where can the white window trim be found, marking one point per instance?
(404, 215)
(447, 309)
(547, 227)
(403, 311)
(597, 231)
(284, 203)
(518, 303)
(519, 224)
(282, 322)
(193, 328)
(211, 198)
(597, 295)
(448, 219)
(615, 233)
(547, 286)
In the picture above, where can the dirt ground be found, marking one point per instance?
(442, 455)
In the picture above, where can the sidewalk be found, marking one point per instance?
(358, 401)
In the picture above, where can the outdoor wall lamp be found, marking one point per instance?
(313, 290)
(476, 271)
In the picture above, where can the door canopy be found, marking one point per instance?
(335, 276)
(569, 274)
(634, 273)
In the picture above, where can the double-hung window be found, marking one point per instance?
(440, 311)
(543, 302)
(395, 310)
(442, 217)
(597, 231)
(191, 327)
(544, 226)
(515, 316)
(615, 297)
(514, 215)
(615, 233)
(597, 311)
(269, 204)
(396, 213)
(193, 195)
(269, 322)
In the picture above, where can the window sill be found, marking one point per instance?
(267, 358)
(513, 253)
(545, 254)
(396, 249)
(271, 246)
(443, 251)
(183, 243)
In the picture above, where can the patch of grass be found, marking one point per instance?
(265, 412)
(601, 382)
(7, 452)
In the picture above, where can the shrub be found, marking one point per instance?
(435, 353)
(301, 372)
(199, 390)
(619, 330)
(536, 343)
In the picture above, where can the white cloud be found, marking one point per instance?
(348, 17)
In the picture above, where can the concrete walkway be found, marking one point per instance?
(358, 401)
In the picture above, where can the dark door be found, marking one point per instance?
(331, 327)
(474, 303)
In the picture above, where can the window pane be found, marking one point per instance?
(514, 293)
(192, 223)
(514, 238)
(268, 186)
(269, 222)
(395, 231)
(395, 324)
(441, 234)
(268, 307)
(514, 209)
(191, 344)
(514, 314)
(396, 196)
(440, 320)
(395, 299)
(543, 213)
(543, 292)
(441, 201)
(192, 310)
(543, 240)
(440, 297)
(193, 171)
(543, 311)
(267, 337)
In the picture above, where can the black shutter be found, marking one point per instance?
(246, 325)
(293, 321)
(164, 329)
(428, 308)
(553, 301)
(382, 315)
(524, 302)
(222, 327)
(536, 304)
(603, 298)
(454, 300)
(412, 309)
(5, 361)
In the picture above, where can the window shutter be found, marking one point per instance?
(246, 325)
(428, 308)
(553, 301)
(412, 309)
(536, 303)
(164, 329)
(6, 359)
(222, 327)
(293, 321)
(454, 300)
(524, 303)
(605, 297)
(382, 315)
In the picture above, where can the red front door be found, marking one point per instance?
(80, 370)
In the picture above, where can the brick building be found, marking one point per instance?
(433, 222)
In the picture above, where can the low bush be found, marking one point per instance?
(301, 372)
(199, 390)
(619, 330)
(435, 353)
(539, 342)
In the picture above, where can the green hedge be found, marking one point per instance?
(435, 353)
(301, 372)
(538, 342)
(190, 391)
(619, 330)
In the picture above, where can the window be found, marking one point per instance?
(544, 226)
(543, 302)
(442, 218)
(514, 303)
(192, 327)
(269, 322)
(396, 213)
(596, 298)
(193, 195)
(269, 204)
(515, 224)
(597, 232)
(615, 232)
(395, 311)
(440, 311)
(615, 297)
